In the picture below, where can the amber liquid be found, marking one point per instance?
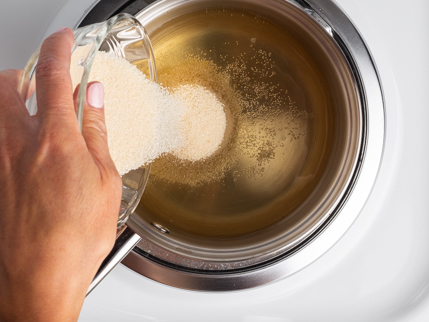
(279, 132)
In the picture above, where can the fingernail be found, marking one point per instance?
(95, 95)
(61, 29)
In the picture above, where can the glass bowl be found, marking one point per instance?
(122, 36)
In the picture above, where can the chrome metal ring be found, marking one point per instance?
(153, 261)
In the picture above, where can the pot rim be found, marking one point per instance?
(181, 272)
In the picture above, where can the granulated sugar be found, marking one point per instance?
(142, 118)
(262, 122)
(203, 124)
(145, 120)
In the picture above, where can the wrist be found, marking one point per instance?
(29, 299)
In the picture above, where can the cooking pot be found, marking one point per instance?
(236, 232)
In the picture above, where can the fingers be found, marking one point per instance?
(12, 76)
(53, 82)
(94, 128)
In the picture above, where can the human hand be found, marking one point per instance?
(60, 192)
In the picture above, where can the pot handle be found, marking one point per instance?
(126, 239)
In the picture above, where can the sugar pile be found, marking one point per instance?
(203, 124)
(142, 118)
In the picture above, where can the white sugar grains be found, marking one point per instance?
(145, 120)
(203, 124)
(142, 118)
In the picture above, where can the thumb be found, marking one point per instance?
(93, 125)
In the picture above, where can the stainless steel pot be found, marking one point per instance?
(349, 90)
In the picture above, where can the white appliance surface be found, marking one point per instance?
(379, 270)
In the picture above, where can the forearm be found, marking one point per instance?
(42, 298)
